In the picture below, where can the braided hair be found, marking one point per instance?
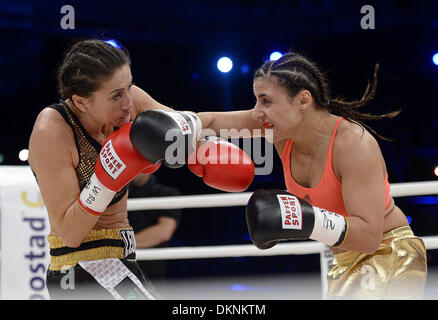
(86, 65)
(295, 72)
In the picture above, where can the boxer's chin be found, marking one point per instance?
(269, 135)
(121, 121)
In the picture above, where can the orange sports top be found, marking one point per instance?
(328, 193)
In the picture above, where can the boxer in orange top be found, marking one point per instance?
(336, 179)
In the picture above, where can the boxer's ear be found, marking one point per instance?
(304, 99)
(80, 102)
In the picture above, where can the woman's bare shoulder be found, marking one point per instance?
(355, 147)
(354, 138)
(51, 133)
(50, 118)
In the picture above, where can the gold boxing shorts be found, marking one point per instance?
(397, 270)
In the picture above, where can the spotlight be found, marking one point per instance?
(435, 59)
(275, 56)
(114, 43)
(23, 155)
(225, 64)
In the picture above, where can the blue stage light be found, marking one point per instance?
(238, 287)
(425, 200)
(275, 56)
(245, 69)
(435, 59)
(114, 43)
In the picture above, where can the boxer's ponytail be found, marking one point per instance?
(295, 72)
(86, 65)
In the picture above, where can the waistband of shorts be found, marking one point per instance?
(98, 244)
(399, 232)
(347, 257)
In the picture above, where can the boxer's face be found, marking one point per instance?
(112, 103)
(275, 109)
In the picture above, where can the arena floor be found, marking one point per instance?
(281, 287)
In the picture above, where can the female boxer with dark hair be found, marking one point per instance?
(337, 185)
(97, 95)
(84, 151)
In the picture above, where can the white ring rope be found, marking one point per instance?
(241, 199)
(245, 250)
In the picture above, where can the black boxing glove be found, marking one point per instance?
(166, 135)
(277, 215)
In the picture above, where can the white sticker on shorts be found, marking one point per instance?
(110, 161)
(291, 215)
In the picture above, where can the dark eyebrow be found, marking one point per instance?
(119, 89)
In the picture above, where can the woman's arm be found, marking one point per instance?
(143, 101)
(50, 157)
(358, 161)
(239, 121)
(235, 124)
(156, 234)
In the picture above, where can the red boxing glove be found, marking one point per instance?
(118, 163)
(222, 165)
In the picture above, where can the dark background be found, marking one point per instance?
(174, 46)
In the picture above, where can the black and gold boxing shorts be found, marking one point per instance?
(102, 267)
(98, 244)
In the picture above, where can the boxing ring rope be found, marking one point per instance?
(246, 250)
(241, 199)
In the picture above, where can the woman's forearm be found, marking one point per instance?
(231, 124)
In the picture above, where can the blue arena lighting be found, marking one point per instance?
(114, 43)
(435, 59)
(245, 69)
(238, 287)
(225, 64)
(275, 56)
(409, 219)
(242, 287)
(425, 200)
